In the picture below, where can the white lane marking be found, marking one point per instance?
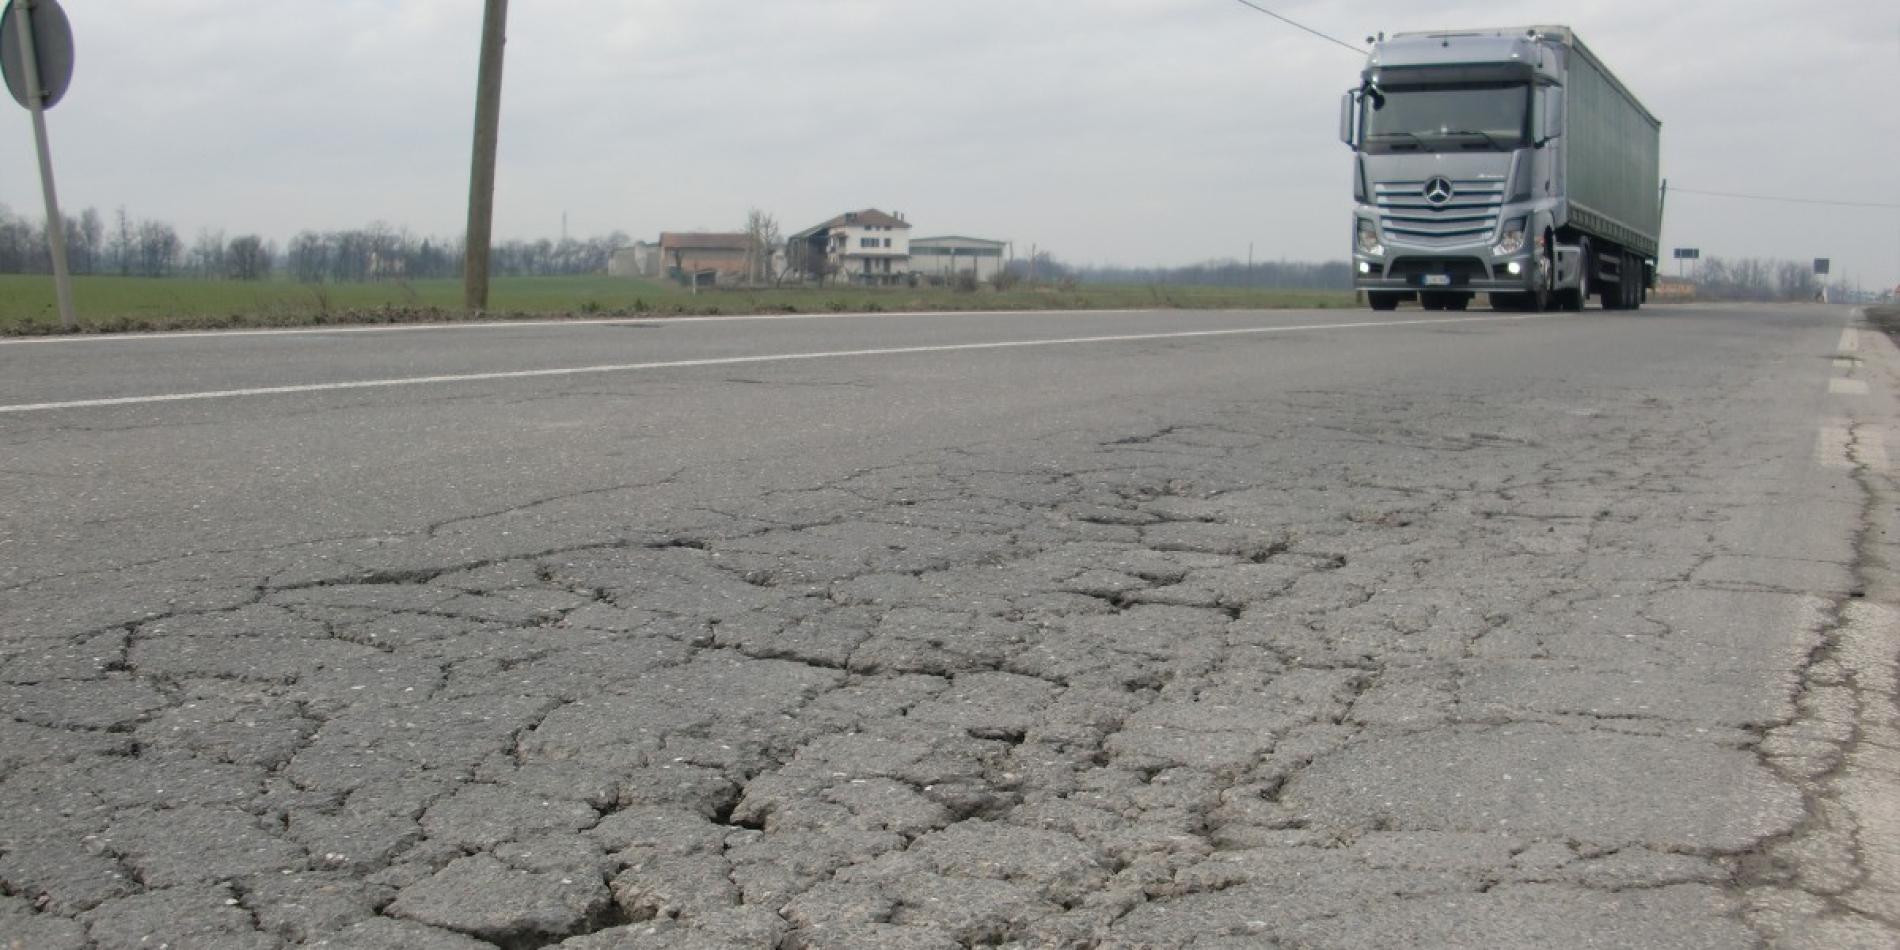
(1850, 340)
(1845, 364)
(1847, 387)
(549, 322)
(1830, 446)
(733, 361)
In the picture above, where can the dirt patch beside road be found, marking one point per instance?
(1886, 319)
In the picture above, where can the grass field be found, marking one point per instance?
(117, 304)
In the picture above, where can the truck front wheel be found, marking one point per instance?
(1573, 299)
(1383, 301)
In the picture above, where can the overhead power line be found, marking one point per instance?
(1784, 198)
(1330, 39)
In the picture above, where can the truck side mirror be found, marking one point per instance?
(1553, 112)
(1346, 117)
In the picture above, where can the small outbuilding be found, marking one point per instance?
(711, 256)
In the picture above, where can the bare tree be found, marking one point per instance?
(157, 249)
(1795, 280)
(248, 258)
(308, 257)
(87, 240)
(124, 249)
(206, 258)
(762, 238)
(16, 244)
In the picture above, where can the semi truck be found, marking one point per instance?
(1509, 162)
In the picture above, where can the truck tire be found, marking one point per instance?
(1382, 301)
(1612, 294)
(1576, 297)
(1636, 282)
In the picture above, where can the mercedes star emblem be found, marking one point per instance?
(1438, 190)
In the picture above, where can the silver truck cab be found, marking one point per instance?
(1457, 189)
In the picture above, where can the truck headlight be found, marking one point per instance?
(1368, 238)
(1511, 240)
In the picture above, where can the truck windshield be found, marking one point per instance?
(1478, 117)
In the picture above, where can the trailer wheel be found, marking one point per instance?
(1636, 282)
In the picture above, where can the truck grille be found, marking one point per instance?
(1469, 216)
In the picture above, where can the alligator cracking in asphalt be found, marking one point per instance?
(1101, 692)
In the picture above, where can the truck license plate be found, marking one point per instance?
(1438, 280)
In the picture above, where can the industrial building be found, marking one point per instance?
(955, 254)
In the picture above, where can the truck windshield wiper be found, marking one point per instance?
(1415, 140)
(1497, 141)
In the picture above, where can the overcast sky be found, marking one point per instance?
(1107, 131)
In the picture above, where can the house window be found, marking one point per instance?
(887, 242)
(867, 242)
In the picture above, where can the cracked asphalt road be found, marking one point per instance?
(1572, 631)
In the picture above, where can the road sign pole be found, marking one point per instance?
(55, 225)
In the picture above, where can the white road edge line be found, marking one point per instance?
(732, 361)
(549, 322)
(1842, 386)
(1850, 340)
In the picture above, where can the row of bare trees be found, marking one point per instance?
(1755, 278)
(144, 248)
(130, 248)
(380, 252)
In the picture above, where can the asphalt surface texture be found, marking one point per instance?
(1114, 630)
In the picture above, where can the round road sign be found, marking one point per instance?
(52, 47)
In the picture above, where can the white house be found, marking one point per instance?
(862, 247)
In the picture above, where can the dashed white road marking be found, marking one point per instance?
(1841, 386)
(1830, 446)
(1850, 340)
(1845, 364)
(738, 360)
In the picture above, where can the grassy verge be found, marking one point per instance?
(1886, 318)
(118, 304)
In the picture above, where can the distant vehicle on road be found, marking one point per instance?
(1503, 161)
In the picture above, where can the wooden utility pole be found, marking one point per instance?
(481, 175)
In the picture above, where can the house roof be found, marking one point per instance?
(704, 240)
(948, 240)
(869, 217)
